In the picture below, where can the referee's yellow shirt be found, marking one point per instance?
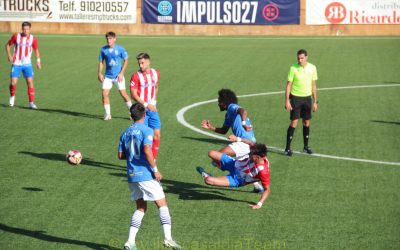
(301, 79)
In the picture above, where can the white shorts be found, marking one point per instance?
(240, 148)
(146, 190)
(108, 83)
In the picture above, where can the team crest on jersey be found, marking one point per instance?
(110, 50)
(150, 137)
(116, 52)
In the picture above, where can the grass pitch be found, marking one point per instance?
(315, 203)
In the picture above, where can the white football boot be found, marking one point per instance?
(172, 244)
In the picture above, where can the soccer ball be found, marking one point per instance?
(74, 157)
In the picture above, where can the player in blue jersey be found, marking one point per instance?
(237, 120)
(143, 176)
(112, 54)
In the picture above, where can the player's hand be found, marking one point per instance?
(315, 107)
(255, 206)
(288, 106)
(151, 107)
(39, 65)
(206, 124)
(247, 127)
(158, 176)
(101, 77)
(10, 59)
(232, 138)
(120, 77)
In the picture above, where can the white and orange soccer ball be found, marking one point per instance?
(74, 157)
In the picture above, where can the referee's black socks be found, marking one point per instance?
(306, 135)
(289, 136)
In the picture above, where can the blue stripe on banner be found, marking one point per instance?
(235, 12)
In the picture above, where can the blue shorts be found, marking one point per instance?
(152, 120)
(27, 70)
(228, 164)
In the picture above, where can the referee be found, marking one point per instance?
(301, 98)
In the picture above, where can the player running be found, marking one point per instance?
(144, 90)
(24, 43)
(236, 119)
(112, 54)
(143, 176)
(242, 171)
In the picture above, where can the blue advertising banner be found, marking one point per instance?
(248, 12)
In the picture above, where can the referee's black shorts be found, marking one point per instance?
(301, 107)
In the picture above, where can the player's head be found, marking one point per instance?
(137, 111)
(110, 38)
(26, 28)
(257, 151)
(143, 61)
(226, 97)
(302, 57)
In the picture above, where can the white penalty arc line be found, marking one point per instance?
(181, 119)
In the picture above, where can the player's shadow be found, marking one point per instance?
(61, 157)
(207, 140)
(193, 191)
(32, 189)
(42, 235)
(74, 113)
(386, 122)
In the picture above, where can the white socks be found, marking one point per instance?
(128, 104)
(135, 224)
(107, 109)
(165, 220)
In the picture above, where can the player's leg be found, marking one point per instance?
(122, 92)
(221, 181)
(228, 151)
(106, 87)
(14, 75)
(136, 220)
(306, 112)
(156, 142)
(294, 118)
(31, 92)
(215, 157)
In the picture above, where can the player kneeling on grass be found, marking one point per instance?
(143, 176)
(243, 171)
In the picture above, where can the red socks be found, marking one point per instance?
(154, 148)
(12, 88)
(31, 94)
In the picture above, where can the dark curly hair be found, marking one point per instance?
(227, 96)
(258, 149)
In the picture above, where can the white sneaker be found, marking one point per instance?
(171, 243)
(130, 246)
(32, 105)
(12, 101)
(107, 117)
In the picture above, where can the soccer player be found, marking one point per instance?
(112, 54)
(23, 43)
(144, 90)
(236, 119)
(143, 176)
(242, 171)
(301, 98)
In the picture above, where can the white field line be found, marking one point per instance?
(181, 119)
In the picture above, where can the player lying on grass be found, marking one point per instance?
(243, 171)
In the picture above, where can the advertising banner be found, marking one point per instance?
(248, 12)
(69, 11)
(353, 12)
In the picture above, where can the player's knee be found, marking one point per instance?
(212, 154)
(209, 181)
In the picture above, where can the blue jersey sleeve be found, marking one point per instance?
(124, 54)
(231, 114)
(148, 137)
(121, 146)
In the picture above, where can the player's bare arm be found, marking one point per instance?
(314, 95)
(9, 55)
(207, 125)
(243, 115)
(100, 72)
(38, 62)
(121, 74)
(234, 138)
(288, 106)
(150, 158)
(263, 198)
(121, 156)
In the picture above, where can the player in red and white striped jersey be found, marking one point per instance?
(242, 171)
(144, 90)
(24, 43)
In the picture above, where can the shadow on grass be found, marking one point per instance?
(61, 157)
(73, 113)
(41, 235)
(208, 140)
(193, 191)
(34, 189)
(386, 122)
